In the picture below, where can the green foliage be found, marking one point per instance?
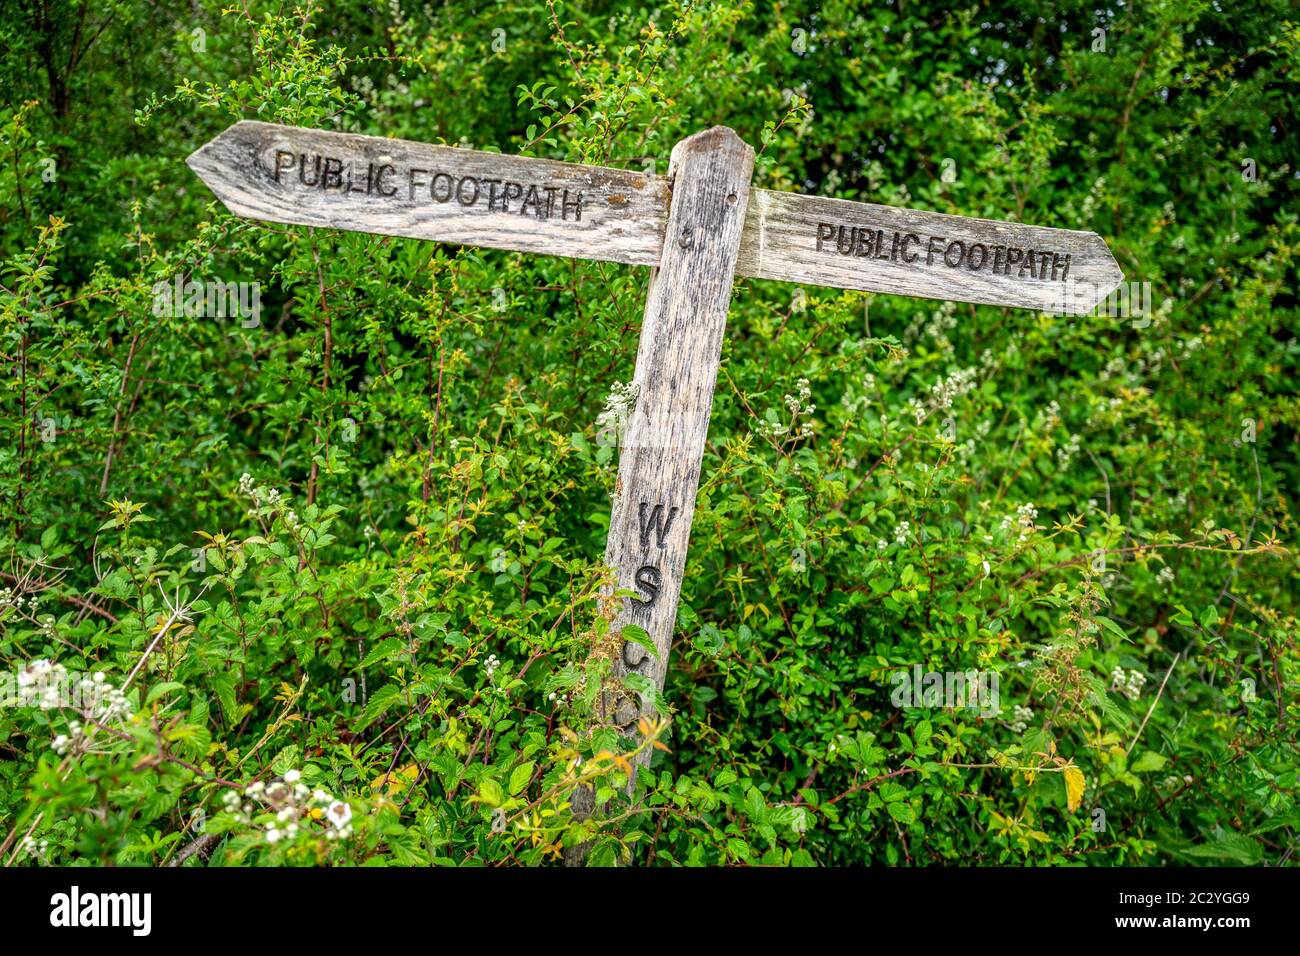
(341, 571)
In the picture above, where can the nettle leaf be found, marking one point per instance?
(1231, 846)
(1114, 628)
(379, 704)
(638, 636)
(1101, 697)
(382, 651)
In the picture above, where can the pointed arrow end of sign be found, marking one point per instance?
(1103, 277)
(206, 163)
(195, 160)
(221, 163)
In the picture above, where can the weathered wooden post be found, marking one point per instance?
(676, 368)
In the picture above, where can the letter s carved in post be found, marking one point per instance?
(648, 580)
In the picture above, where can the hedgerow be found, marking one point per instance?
(328, 585)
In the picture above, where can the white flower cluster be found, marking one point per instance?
(16, 601)
(1166, 575)
(30, 846)
(917, 410)
(1021, 718)
(1065, 454)
(266, 500)
(943, 393)
(902, 532)
(1114, 367)
(1191, 346)
(491, 665)
(294, 806)
(933, 325)
(797, 405)
(618, 405)
(1022, 522)
(1128, 683)
(959, 383)
(50, 686)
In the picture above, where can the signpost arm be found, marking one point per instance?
(676, 369)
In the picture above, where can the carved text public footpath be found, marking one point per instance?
(385, 181)
(909, 248)
(709, 227)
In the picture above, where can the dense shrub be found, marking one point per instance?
(343, 566)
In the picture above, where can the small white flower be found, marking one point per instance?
(339, 814)
(292, 776)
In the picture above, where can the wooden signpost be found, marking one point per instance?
(698, 228)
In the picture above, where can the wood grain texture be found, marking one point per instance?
(676, 370)
(400, 188)
(852, 245)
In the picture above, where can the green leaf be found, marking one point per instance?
(1149, 761)
(1101, 697)
(902, 812)
(638, 636)
(287, 759)
(520, 776)
(1230, 846)
(159, 689)
(223, 685)
(1111, 626)
(380, 701)
(383, 650)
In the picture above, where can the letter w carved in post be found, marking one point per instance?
(654, 524)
